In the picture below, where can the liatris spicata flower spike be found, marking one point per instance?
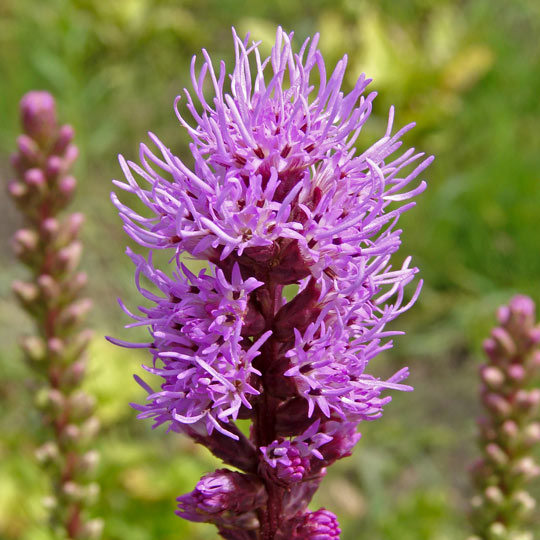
(510, 427)
(48, 244)
(278, 196)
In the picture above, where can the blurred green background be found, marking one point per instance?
(468, 72)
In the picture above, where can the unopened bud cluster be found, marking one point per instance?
(510, 427)
(48, 245)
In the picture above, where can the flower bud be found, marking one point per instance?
(504, 341)
(50, 228)
(492, 376)
(498, 531)
(53, 167)
(70, 156)
(497, 404)
(516, 372)
(47, 453)
(34, 348)
(531, 435)
(75, 313)
(528, 401)
(319, 524)
(35, 180)
(510, 431)
(81, 405)
(73, 374)
(71, 434)
(26, 293)
(65, 136)
(73, 492)
(526, 468)
(38, 115)
(284, 463)
(49, 502)
(28, 149)
(25, 243)
(69, 257)
(522, 502)
(50, 289)
(221, 494)
(56, 347)
(17, 190)
(90, 428)
(496, 454)
(66, 188)
(88, 461)
(50, 399)
(494, 495)
(93, 529)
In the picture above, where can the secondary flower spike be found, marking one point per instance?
(278, 195)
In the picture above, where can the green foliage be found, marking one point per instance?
(467, 72)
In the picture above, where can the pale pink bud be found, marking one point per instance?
(532, 434)
(496, 454)
(494, 495)
(50, 228)
(65, 136)
(504, 341)
(516, 372)
(34, 348)
(25, 241)
(26, 293)
(69, 257)
(492, 376)
(526, 467)
(28, 149)
(17, 190)
(67, 186)
(56, 347)
(497, 404)
(50, 289)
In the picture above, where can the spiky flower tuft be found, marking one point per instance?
(278, 195)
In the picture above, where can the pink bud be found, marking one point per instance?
(34, 348)
(54, 167)
(27, 293)
(497, 404)
(69, 257)
(55, 346)
(526, 467)
(516, 372)
(492, 376)
(38, 115)
(25, 243)
(65, 136)
(17, 189)
(35, 179)
(28, 149)
(50, 289)
(66, 186)
(510, 429)
(494, 495)
(496, 454)
(504, 341)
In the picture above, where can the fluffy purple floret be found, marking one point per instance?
(198, 348)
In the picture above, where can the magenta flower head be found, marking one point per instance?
(278, 195)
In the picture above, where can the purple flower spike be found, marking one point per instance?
(278, 195)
